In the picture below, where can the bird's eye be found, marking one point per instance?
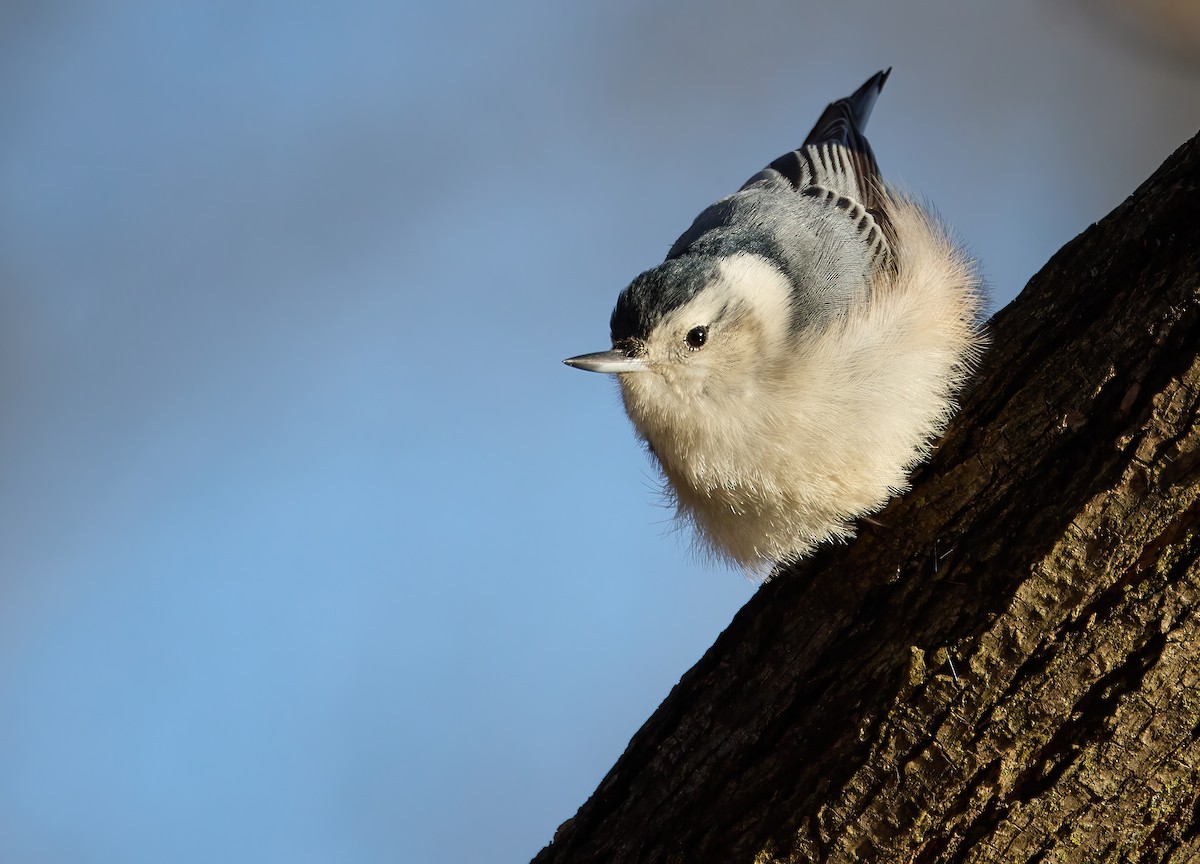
(696, 337)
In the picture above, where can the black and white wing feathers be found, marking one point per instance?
(835, 164)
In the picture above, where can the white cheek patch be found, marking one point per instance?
(749, 286)
(759, 287)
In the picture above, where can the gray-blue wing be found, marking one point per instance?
(835, 164)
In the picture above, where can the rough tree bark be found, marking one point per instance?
(1009, 671)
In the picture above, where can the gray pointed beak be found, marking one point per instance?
(610, 362)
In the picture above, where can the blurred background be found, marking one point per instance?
(311, 549)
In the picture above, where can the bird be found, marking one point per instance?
(800, 348)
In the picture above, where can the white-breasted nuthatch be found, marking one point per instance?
(795, 354)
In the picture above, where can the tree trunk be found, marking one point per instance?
(1007, 668)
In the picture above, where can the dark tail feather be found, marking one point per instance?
(843, 121)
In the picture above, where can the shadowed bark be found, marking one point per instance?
(1010, 670)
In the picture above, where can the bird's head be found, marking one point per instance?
(696, 335)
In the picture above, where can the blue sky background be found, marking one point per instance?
(311, 550)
